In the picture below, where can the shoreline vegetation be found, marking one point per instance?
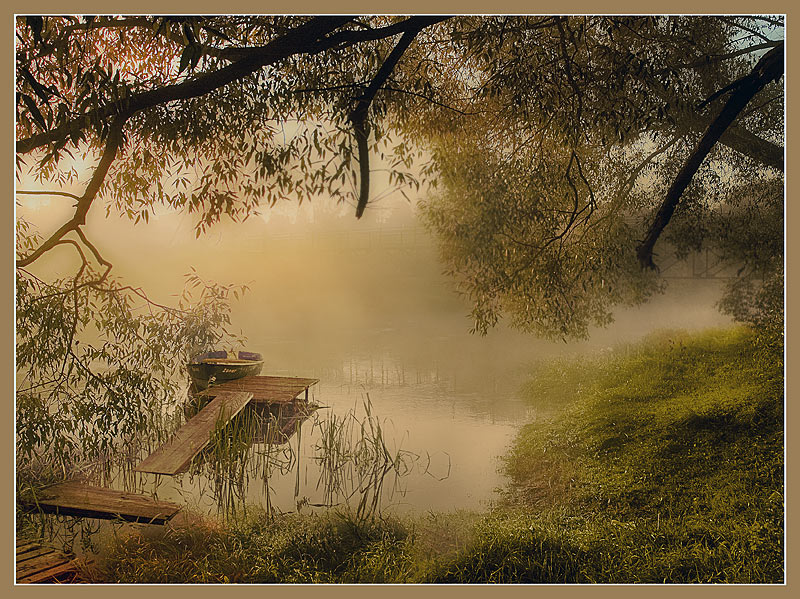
(659, 462)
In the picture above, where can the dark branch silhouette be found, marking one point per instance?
(359, 115)
(309, 39)
(300, 40)
(113, 143)
(769, 68)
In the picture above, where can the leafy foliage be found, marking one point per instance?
(551, 138)
(660, 463)
(100, 369)
(278, 133)
(543, 203)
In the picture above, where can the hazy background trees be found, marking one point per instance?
(553, 139)
(548, 145)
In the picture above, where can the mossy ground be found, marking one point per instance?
(662, 462)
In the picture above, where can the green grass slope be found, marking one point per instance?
(662, 462)
(659, 463)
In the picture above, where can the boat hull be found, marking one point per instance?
(214, 368)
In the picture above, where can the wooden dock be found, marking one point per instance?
(175, 456)
(37, 563)
(265, 389)
(77, 499)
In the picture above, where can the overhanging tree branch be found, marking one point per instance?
(121, 111)
(747, 143)
(358, 117)
(302, 40)
(309, 39)
(735, 136)
(48, 193)
(769, 68)
(113, 143)
(335, 40)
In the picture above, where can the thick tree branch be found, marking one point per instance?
(358, 117)
(335, 40)
(305, 39)
(113, 143)
(743, 141)
(749, 144)
(310, 38)
(769, 68)
(735, 136)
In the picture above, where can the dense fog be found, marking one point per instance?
(363, 306)
(323, 284)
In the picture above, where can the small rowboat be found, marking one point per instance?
(217, 367)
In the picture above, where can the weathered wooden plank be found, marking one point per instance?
(265, 389)
(24, 546)
(35, 553)
(260, 387)
(44, 563)
(269, 381)
(176, 455)
(56, 573)
(38, 563)
(76, 499)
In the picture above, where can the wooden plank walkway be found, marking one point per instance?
(265, 389)
(175, 456)
(38, 563)
(77, 499)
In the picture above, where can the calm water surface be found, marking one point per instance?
(452, 409)
(387, 329)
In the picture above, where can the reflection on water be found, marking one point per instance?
(432, 433)
(381, 327)
(436, 421)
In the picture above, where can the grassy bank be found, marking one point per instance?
(659, 463)
(662, 462)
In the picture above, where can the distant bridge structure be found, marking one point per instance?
(703, 264)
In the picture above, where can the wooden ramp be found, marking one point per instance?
(175, 456)
(77, 499)
(265, 389)
(38, 563)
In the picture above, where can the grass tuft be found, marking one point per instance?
(659, 463)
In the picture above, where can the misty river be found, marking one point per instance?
(364, 307)
(451, 420)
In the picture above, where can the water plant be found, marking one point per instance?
(665, 465)
(349, 450)
(356, 462)
(100, 369)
